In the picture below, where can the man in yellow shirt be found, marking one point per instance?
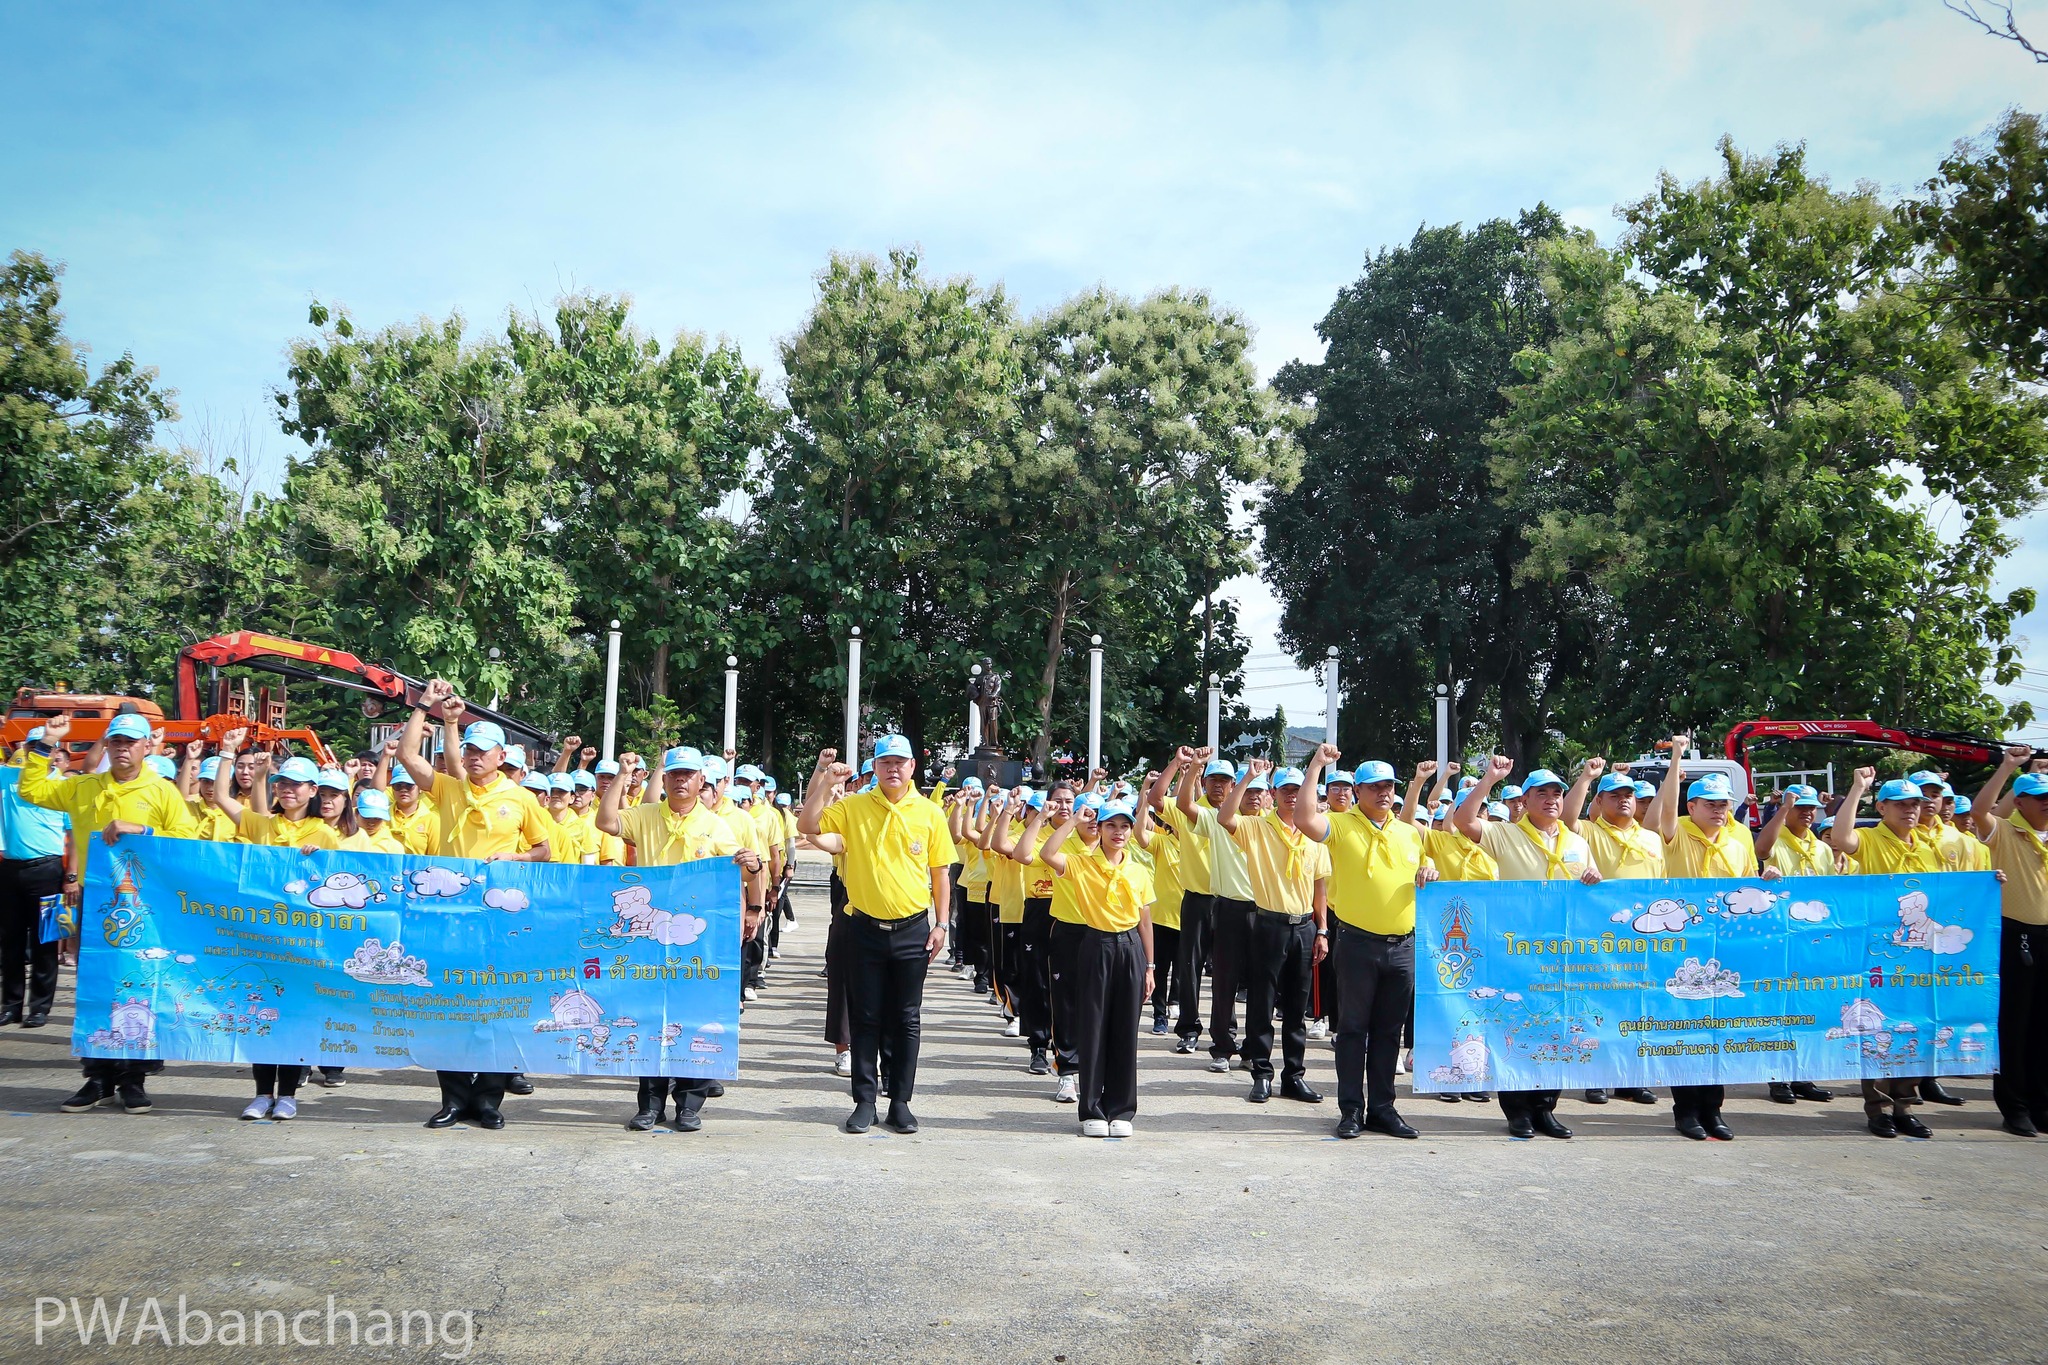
(897, 860)
(1376, 862)
(1790, 842)
(679, 828)
(1290, 880)
(125, 800)
(1230, 900)
(1163, 845)
(2014, 829)
(1006, 895)
(1197, 896)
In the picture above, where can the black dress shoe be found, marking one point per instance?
(1390, 1124)
(1546, 1123)
(714, 1090)
(1298, 1088)
(1262, 1090)
(133, 1097)
(1932, 1092)
(1479, 1096)
(447, 1116)
(1596, 1096)
(1637, 1096)
(1881, 1126)
(1520, 1126)
(1807, 1090)
(861, 1119)
(652, 1101)
(89, 1096)
(37, 1020)
(1450, 1097)
(1690, 1126)
(2019, 1125)
(1781, 1093)
(10, 1015)
(1351, 1124)
(689, 1117)
(484, 1114)
(1717, 1128)
(517, 1084)
(1908, 1126)
(900, 1120)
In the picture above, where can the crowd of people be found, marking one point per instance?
(1073, 909)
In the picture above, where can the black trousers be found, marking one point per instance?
(467, 1088)
(754, 959)
(1277, 974)
(990, 936)
(1700, 1101)
(2020, 1089)
(1230, 926)
(777, 910)
(1033, 986)
(1165, 960)
(837, 1031)
(1193, 950)
(1066, 938)
(1376, 991)
(1106, 976)
(283, 1081)
(885, 962)
(28, 966)
(1529, 1102)
(1009, 962)
(970, 930)
(114, 1070)
(1326, 988)
(956, 923)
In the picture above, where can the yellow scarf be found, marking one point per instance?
(1295, 840)
(1630, 839)
(1554, 864)
(1717, 848)
(2028, 835)
(477, 802)
(1809, 847)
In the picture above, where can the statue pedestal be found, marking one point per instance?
(994, 770)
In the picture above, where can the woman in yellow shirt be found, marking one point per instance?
(1111, 962)
(373, 826)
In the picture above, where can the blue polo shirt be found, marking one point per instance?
(28, 832)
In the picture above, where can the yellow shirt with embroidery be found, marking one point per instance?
(1728, 852)
(383, 841)
(891, 848)
(477, 822)
(1006, 881)
(1105, 895)
(1521, 854)
(278, 831)
(1372, 871)
(1456, 858)
(95, 801)
(2021, 852)
(1195, 859)
(1063, 907)
(1167, 890)
(420, 831)
(1624, 854)
(210, 821)
(660, 837)
(1229, 877)
(1282, 864)
(1802, 855)
(1879, 853)
(570, 842)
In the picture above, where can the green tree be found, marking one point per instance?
(1985, 221)
(1276, 737)
(1394, 547)
(1733, 443)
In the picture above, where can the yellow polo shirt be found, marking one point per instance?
(1372, 871)
(1521, 854)
(1195, 864)
(420, 831)
(1229, 877)
(1456, 858)
(660, 837)
(2021, 852)
(1624, 854)
(477, 822)
(1105, 895)
(1006, 881)
(1728, 852)
(95, 801)
(1879, 852)
(569, 843)
(383, 841)
(1167, 890)
(891, 848)
(277, 831)
(1282, 864)
(1802, 855)
(211, 821)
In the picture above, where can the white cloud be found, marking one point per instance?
(341, 889)
(1812, 912)
(1750, 900)
(1663, 917)
(506, 898)
(1621, 915)
(437, 881)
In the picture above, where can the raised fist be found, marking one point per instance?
(1499, 766)
(572, 743)
(1327, 753)
(1865, 776)
(56, 728)
(437, 691)
(1427, 768)
(1595, 766)
(233, 740)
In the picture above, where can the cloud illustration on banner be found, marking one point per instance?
(1620, 915)
(1750, 900)
(1663, 917)
(506, 898)
(437, 881)
(1812, 912)
(341, 889)
(295, 887)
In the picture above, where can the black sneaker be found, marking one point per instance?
(1039, 1066)
(89, 1096)
(133, 1098)
(1186, 1046)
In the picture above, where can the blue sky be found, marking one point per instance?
(206, 171)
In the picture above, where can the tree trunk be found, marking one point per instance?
(767, 740)
(1058, 628)
(657, 674)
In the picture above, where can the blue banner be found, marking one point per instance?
(207, 952)
(1558, 986)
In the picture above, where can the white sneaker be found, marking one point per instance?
(1405, 1064)
(258, 1108)
(285, 1109)
(774, 952)
(1219, 1064)
(749, 993)
(1013, 1029)
(1119, 1127)
(1094, 1128)
(1318, 1029)
(842, 1065)
(1070, 1093)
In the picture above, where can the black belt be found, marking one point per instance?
(887, 925)
(34, 862)
(1293, 921)
(1367, 933)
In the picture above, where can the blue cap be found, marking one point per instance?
(1257, 784)
(372, 804)
(2030, 784)
(161, 766)
(714, 768)
(1287, 777)
(129, 726)
(1443, 808)
(782, 798)
(209, 769)
(1496, 810)
(768, 782)
(682, 759)
(972, 784)
(1337, 777)
(562, 782)
(297, 770)
(1947, 790)
(1542, 777)
(1962, 805)
(1467, 783)
(582, 779)
(1899, 789)
(515, 755)
(893, 746)
(333, 779)
(1799, 794)
(484, 735)
(1036, 800)
(607, 767)
(1644, 791)
(1088, 801)
(867, 767)
(401, 778)
(1216, 767)
(1372, 770)
(1115, 810)
(35, 736)
(1511, 792)
(1614, 782)
(749, 773)
(1712, 787)
(1924, 778)
(535, 782)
